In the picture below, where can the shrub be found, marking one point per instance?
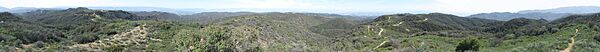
(85, 38)
(38, 44)
(597, 37)
(4, 37)
(467, 45)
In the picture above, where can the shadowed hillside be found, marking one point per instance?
(13, 28)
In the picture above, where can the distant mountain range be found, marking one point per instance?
(190, 11)
(548, 14)
(3, 9)
(574, 10)
(504, 16)
(27, 9)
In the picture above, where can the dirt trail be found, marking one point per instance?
(571, 43)
(381, 31)
(134, 37)
(382, 43)
(423, 20)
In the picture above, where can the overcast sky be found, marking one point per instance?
(401, 6)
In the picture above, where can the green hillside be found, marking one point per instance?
(87, 30)
(515, 35)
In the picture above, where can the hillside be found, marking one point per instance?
(54, 29)
(83, 29)
(586, 19)
(71, 18)
(393, 33)
(209, 17)
(505, 16)
(89, 30)
(261, 32)
(13, 28)
(335, 27)
(9, 17)
(412, 23)
(426, 32)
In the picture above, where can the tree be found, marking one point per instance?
(467, 45)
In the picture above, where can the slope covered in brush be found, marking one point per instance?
(61, 28)
(262, 32)
(334, 27)
(81, 29)
(588, 18)
(519, 34)
(412, 23)
(578, 30)
(73, 16)
(13, 28)
(520, 27)
(403, 32)
(209, 17)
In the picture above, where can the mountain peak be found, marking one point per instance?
(588, 18)
(78, 9)
(5, 16)
(109, 14)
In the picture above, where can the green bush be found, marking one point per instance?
(85, 38)
(468, 45)
(597, 37)
(4, 37)
(38, 44)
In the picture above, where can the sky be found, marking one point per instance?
(460, 7)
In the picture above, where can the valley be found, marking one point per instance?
(90, 30)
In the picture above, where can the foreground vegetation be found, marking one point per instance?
(81, 29)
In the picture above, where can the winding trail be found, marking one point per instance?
(382, 43)
(135, 37)
(381, 31)
(571, 43)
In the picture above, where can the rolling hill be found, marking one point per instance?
(14, 28)
(437, 32)
(84, 29)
